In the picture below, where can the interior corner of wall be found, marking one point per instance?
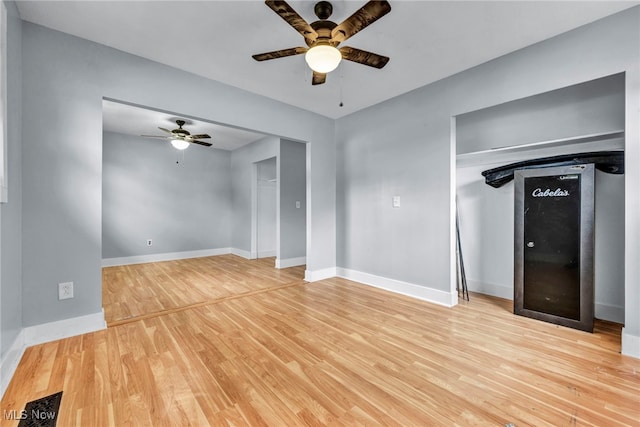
(630, 344)
(10, 360)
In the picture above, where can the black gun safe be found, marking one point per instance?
(554, 245)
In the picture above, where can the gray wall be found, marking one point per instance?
(403, 147)
(242, 176)
(179, 199)
(592, 107)
(11, 212)
(396, 148)
(64, 81)
(292, 184)
(267, 208)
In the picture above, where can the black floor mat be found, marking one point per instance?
(42, 412)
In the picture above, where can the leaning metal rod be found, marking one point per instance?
(463, 277)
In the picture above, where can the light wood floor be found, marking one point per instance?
(137, 291)
(334, 353)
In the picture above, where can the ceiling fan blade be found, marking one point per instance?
(362, 18)
(364, 57)
(156, 136)
(287, 13)
(165, 130)
(279, 53)
(206, 144)
(199, 136)
(318, 78)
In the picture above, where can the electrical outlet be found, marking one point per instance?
(149, 242)
(65, 290)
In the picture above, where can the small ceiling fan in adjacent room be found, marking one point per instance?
(181, 138)
(323, 37)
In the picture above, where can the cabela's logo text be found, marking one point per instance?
(550, 193)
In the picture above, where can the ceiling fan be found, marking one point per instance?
(323, 37)
(181, 138)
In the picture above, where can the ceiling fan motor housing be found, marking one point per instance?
(323, 10)
(180, 132)
(323, 28)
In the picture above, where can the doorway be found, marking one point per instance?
(266, 208)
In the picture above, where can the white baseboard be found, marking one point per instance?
(10, 361)
(630, 344)
(46, 332)
(493, 289)
(266, 254)
(315, 275)
(291, 262)
(169, 256)
(243, 253)
(424, 293)
(66, 328)
(612, 313)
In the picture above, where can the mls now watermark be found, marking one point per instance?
(34, 414)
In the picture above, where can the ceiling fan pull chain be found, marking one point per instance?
(178, 154)
(341, 81)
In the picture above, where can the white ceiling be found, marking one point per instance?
(134, 120)
(426, 41)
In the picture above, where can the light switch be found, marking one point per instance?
(297, 204)
(396, 201)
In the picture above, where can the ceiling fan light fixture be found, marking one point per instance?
(179, 144)
(323, 58)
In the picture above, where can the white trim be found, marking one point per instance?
(494, 160)
(315, 275)
(493, 289)
(584, 143)
(612, 313)
(169, 256)
(453, 207)
(309, 220)
(291, 262)
(66, 328)
(254, 211)
(242, 253)
(278, 197)
(630, 344)
(436, 296)
(266, 254)
(42, 333)
(9, 362)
